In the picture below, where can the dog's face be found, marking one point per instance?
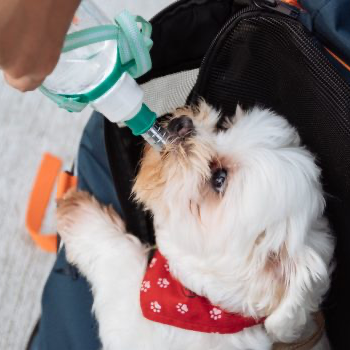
(238, 200)
(231, 186)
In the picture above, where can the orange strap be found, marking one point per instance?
(294, 3)
(338, 59)
(39, 199)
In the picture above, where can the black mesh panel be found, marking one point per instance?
(272, 61)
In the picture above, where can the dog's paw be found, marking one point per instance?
(80, 213)
(85, 225)
(72, 211)
(90, 231)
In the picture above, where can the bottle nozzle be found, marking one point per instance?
(144, 124)
(156, 136)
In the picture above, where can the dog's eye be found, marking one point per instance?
(218, 180)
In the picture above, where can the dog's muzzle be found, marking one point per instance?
(180, 128)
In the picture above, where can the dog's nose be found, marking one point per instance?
(181, 126)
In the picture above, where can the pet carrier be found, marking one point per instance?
(288, 56)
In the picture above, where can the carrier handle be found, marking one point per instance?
(48, 173)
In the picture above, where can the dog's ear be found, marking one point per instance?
(298, 249)
(303, 271)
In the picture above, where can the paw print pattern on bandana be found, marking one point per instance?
(215, 313)
(145, 286)
(153, 262)
(155, 307)
(182, 308)
(165, 300)
(163, 282)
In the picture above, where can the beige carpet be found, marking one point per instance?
(29, 126)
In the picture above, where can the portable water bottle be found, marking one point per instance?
(97, 67)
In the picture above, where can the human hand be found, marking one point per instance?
(32, 33)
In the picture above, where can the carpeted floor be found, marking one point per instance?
(29, 126)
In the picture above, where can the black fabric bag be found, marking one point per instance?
(264, 53)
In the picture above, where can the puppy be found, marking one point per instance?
(243, 247)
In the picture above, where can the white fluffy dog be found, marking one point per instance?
(238, 215)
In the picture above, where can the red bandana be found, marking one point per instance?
(164, 300)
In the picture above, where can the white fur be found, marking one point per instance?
(272, 208)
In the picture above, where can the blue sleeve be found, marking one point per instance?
(330, 21)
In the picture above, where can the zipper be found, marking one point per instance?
(256, 8)
(278, 6)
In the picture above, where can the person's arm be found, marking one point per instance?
(31, 37)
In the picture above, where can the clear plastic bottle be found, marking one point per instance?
(81, 70)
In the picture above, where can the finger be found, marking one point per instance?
(25, 83)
